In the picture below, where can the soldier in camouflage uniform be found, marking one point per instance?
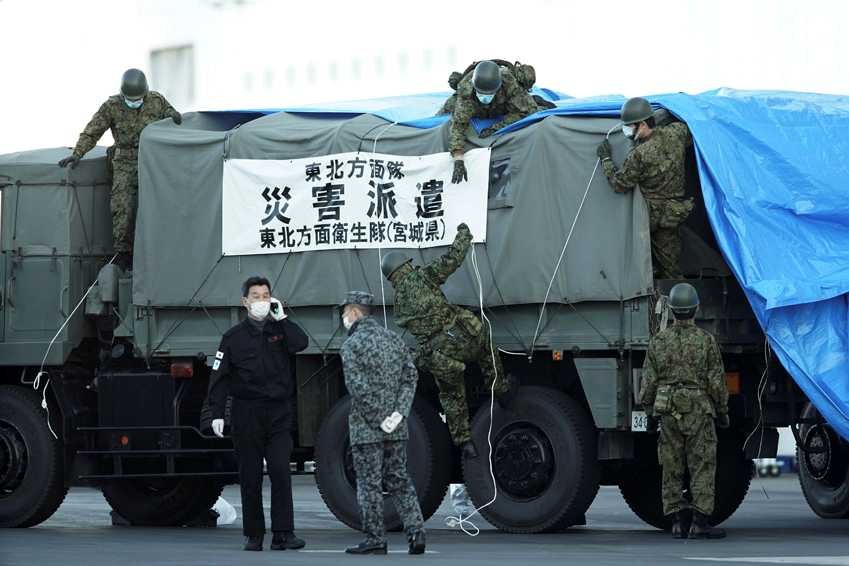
(126, 114)
(381, 378)
(656, 166)
(449, 336)
(684, 386)
(490, 91)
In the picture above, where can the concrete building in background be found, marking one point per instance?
(215, 54)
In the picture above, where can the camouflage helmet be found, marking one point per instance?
(133, 84)
(636, 110)
(361, 298)
(683, 300)
(487, 77)
(392, 262)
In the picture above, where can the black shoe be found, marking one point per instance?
(286, 541)
(507, 398)
(469, 450)
(701, 528)
(367, 547)
(254, 543)
(417, 543)
(677, 530)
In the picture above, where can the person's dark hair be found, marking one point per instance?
(650, 122)
(253, 282)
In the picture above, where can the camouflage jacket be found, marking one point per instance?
(512, 102)
(126, 123)
(420, 305)
(683, 373)
(656, 165)
(381, 378)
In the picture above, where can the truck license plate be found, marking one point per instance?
(639, 420)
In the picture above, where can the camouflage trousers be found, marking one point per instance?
(445, 356)
(687, 443)
(124, 203)
(665, 217)
(382, 465)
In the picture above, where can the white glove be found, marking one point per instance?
(277, 310)
(218, 427)
(391, 422)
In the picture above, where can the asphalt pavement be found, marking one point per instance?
(773, 526)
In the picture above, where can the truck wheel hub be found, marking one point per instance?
(13, 458)
(523, 461)
(817, 452)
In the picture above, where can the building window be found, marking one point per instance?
(172, 72)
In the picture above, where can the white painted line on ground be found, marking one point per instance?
(801, 560)
(333, 551)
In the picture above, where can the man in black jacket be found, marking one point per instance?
(252, 365)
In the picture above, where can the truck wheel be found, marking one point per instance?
(31, 467)
(429, 454)
(161, 502)
(824, 469)
(640, 481)
(544, 461)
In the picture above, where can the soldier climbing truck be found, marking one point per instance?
(111, 394)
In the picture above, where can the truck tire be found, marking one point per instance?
(640, 480)
(31, 461)
(544, 461)
(824, 469)
(161, 502)
(429, 463)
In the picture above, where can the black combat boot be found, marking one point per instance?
(417, 543)
(254, 543)
(507, 398)
(677, 530)
(701, 527)
(367, 547)
(284, 540)
(469, 450)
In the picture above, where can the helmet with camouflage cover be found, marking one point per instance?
(487, 77)
(133, 84)
(392, 262)
(683, 300)
(636, 110)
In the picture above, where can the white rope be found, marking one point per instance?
(460, 520)
(379, 249)
(560, 259)
(36, 383)
(563, 251)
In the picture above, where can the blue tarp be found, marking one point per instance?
(775, 179)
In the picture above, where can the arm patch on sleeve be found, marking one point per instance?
(216, 365)
(219, 355)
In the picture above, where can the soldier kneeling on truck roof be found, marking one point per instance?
(488, 89)
(126, 114)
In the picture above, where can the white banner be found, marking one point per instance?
(350, 200)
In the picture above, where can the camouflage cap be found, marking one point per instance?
(358, 298)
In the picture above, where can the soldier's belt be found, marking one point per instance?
(126, 153)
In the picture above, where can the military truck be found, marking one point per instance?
(116, 362)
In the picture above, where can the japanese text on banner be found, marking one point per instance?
(350, 200)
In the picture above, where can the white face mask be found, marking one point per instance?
(628, 131)
(134, 104)
(484, 98)
(259, 309)
(347, 323)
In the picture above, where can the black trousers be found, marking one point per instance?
(261, 429)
